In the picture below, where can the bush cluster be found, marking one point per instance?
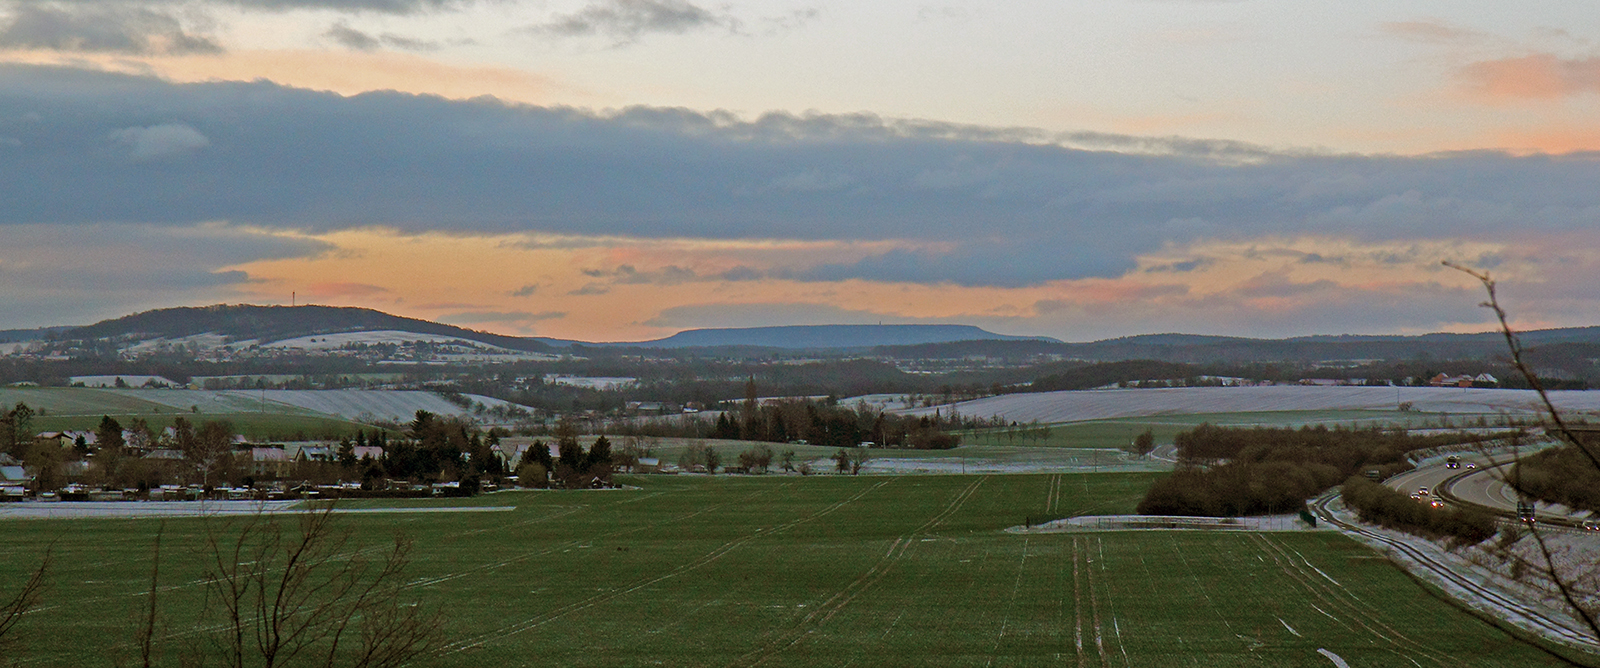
(1378, 504)
(1229, 471)
(1559, 475)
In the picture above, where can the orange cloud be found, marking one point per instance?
(1554, 139)
(1539, 76)
(346, 73)
(1427, 31)
(346, 289)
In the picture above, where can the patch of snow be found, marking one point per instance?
(1168, 523)
(129, 381)
(206, 341)
(592, 382)
(336, 341)
(1074, 406)
(1335, 658)
(362, 405)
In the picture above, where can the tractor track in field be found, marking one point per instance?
(1011, 603)
(1336, 597)
(1116, 627)
(1094, 601)
(1521, 614)
(1077, 604)
(824, 612)
(720, 551)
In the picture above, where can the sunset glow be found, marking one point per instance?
(609, 170)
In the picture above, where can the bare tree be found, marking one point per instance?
(298, 596)
(27, 599)
(1576, 583)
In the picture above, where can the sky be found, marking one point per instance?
(614, 170)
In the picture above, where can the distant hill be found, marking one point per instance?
(275, 323)
(266, 324)
(828, 336)
(16, 335)
(1532, 337)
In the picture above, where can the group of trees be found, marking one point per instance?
(16, 430)
(573, 467)
(1558, 475)
(209, 454)
(436, 449)
(819, 423)
(1230, 472)
(1377, 504)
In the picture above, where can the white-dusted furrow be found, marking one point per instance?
(1072, 406)
(392, 405)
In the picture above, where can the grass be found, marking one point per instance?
(789, 571)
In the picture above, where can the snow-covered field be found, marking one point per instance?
(472, 351)
(206, 342)
(144, 509)
(128, 381)
(1072, 406)
(336, 341)
(593, 382)
(396, 406)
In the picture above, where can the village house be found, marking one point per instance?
(268, 463)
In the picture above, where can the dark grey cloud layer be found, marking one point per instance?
(378, 6)
(1017, 206)
(105, 28)
(349, 37)
(628, 20)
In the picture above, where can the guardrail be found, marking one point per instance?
(1444, 492)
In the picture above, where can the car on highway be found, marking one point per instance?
(1422, 491)
(1591, 526)
(1437, 503)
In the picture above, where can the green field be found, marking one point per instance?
(823, 570)
(1011, 458)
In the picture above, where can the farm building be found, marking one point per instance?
(269, 463)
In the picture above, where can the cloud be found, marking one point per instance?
(1429, 31)
(160, 141)
(962, 205)
(525, 291)
(349, 37)
(472, 317)
(1538, 76)
(80, 274)
(354, 6)
(590, 289)
(768, 314)
(376, 6)
(100, 28)
(345, 290)
(627, 275)
(628, 20)
(1181, 267)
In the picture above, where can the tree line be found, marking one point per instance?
(573, 467)
(1225, 472)
(819, 423)
(1377, 504)
(1561, 475)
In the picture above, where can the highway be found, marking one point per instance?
(1433, 476)
(1478, 487)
